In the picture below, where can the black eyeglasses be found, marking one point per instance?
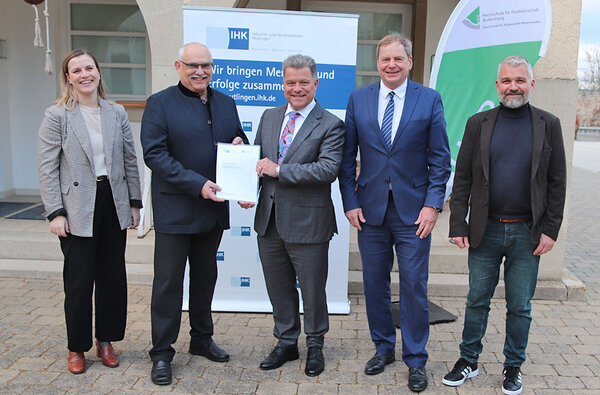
(195, 66)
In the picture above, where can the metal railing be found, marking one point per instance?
(588, 131)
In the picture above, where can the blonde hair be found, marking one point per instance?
(68, 96)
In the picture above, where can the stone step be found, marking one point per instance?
(439, 284)
(443, 284)
(36, 245)
(44, 246)
(40, 268)
(28, 245)
(445, 257)
(441, 260)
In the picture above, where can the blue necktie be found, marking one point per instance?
(388, 118)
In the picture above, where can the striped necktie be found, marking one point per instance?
(388, 118)
(286, 137)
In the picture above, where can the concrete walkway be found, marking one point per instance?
(563, 353)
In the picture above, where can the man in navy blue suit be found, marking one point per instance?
(394, 203)
(180, 129)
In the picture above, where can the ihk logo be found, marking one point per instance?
(240, 231)
(220, 255)
(244, 281)
(239, 38)
(247, 126)
(228, 37)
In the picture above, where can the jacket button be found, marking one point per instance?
(209, 122)
(389, 156)
(76, 183)
(387, 181)
(123, 178)
(485, 203)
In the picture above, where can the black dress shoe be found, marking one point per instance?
(315, 363)
(161, 373)
(377, 363)
(417, 379)
(209, 350)
(279, 356)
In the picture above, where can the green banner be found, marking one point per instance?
(477, 36)
(466, 82)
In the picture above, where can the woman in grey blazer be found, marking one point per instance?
(90, 187)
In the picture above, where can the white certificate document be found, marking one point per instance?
(236, 172)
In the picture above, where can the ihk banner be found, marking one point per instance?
(248, 47)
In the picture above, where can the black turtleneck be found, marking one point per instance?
(191, 93)
(510, 163)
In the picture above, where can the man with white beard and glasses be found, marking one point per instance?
(179, 142)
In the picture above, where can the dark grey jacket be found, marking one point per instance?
(471, 180)
(302, 193)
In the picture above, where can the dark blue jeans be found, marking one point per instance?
(511, 242)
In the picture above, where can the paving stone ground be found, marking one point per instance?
(563, 353)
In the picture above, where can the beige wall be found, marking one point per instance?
(164, 21)
(438, 13)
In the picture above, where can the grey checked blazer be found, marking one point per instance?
(66, 166)
(301, 195)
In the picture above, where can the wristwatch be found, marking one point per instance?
(277, 171)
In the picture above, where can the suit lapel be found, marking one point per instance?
(75, 120)
(487, 128)
(538, 128)
(109, 123)
(373, 105)
(410, 101)
(307, 127)
(275, 129)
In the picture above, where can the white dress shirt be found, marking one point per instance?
(399, 94)
(300, 120)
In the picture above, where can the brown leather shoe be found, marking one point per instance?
(108, 355)
(76, 362)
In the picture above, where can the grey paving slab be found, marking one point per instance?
(563, 355)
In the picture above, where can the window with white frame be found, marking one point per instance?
(114, 31)
(375, 21)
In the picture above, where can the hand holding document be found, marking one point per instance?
(236, 172)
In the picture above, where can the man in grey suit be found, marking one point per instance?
(301, 147)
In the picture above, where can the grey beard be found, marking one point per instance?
(515, 102)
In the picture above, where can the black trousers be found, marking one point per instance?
(171, 251)
(98, 260)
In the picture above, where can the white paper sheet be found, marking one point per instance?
(236, 172)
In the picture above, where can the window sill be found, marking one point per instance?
(131, 105)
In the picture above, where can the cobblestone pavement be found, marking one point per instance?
(563, 352)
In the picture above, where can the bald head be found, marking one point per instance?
(191, 46)
(194, 67)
